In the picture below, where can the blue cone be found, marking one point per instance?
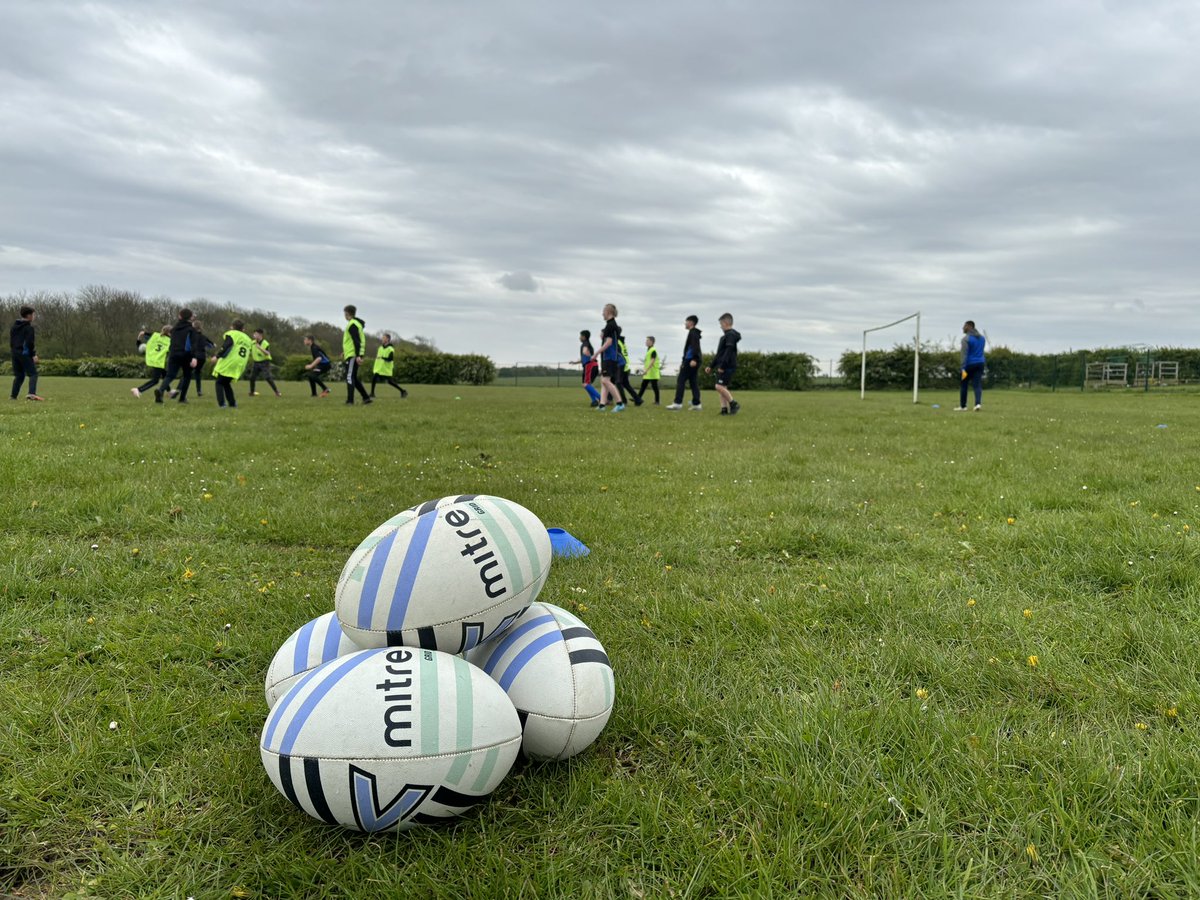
(563, 543)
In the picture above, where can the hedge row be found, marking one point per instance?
(940, 368)
(411, 368)
(769, 371)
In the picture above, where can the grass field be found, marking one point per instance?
(862, 648)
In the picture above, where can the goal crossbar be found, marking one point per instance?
(862, 387)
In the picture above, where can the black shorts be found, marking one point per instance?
(725, 378)
(611, 369)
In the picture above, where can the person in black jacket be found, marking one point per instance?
(725, 362)
(180, 357)
(320, 366)
(24, 354)
(689, 370)
(201, 345)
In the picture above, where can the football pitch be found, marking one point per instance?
(862, 648)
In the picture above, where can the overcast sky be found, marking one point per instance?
(489, 174)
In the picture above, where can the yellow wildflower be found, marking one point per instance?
(922, 694)
(971, 602)
(1028, 613)
(1031, 852)
(1033, 661)
(1141, 726)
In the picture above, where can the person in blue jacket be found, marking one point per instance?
(972, 366)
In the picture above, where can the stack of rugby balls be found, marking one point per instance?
(409, 702)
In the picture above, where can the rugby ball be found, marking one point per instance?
(384, 739)
(446, 575)
(317, 642)
(558, 677)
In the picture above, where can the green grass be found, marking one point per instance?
(809, 702)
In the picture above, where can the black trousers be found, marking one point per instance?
(653, 382)
(264, 372)
(23, 366)
(975, 379)
(225, 391)
(386, 379)
(314, 378)
(175, 363)
(155, 377)
(353, 381)
(688, 375)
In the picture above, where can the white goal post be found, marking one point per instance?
(862, 387)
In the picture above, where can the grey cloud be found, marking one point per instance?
(518, 281)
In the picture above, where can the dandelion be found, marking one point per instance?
(1171, 712)
(188, 574)
(208, 496)
(81, 425)
(1187, 527)
(1028, 613)
(646, 623)
(922, 694)
(1033, 661)
(992, 660)
(1032, 853)
(135, 552)
(971, 602)
(1012, 521)
(262, 521)
(668, 568)
(91, 620)
(582, 607)
(1141, 726)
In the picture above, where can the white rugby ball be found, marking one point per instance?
(384, 739)
(558, 677)
(317, 642)
(446, 575)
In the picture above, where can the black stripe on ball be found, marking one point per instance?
(587, 656)
(316, 792)
(285, 780)
(578, 632)
(426, 639)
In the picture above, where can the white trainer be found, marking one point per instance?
(675, 406)
(696, 406)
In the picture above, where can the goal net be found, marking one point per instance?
(862, 389)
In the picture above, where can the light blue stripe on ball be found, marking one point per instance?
(370, 588)
(523, 658)
(510, 638)
(409, 570)
(303, 639)
(309, 705)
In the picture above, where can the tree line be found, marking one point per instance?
(101, 321)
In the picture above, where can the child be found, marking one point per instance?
(157, 345)
(319, 366)
(260, 357)
(354, 347)
(973, 363)
(385, 365)
(587, 358)
(610, 364)
(725, 363)
(200, 349)
(689, 371)
(625, 387)
(230, 363)
(24, 356)
(651, 370)
(180, 359)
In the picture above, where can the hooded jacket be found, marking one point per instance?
(691, 347)
(21, 338)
